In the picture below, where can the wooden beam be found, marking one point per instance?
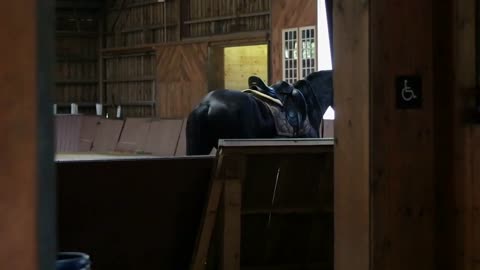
(352, 135)
(27, 186)
(231, 17)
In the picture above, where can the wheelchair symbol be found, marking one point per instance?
(407, 92)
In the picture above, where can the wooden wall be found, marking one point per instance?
(139, 22)
(77, 59)
(129, 81)
(214, 17)
(181, 78)
(133, 30)
(288, 14)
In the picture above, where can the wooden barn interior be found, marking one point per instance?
(94, 100)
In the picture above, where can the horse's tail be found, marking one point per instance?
(198, 141)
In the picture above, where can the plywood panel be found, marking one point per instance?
(163, 137)
(107, 135)
(288, 14)
(181, 149)
(134, 135)
(243, 62)
(67, 132)
(87, 132)
(181, 78)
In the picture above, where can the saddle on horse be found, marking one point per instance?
(294, 104)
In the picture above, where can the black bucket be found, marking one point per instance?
(72, 261)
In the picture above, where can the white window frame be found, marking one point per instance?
(299, 53)
(285, 69)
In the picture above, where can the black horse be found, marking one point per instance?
(229, 114)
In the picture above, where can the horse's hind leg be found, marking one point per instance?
(198, 142)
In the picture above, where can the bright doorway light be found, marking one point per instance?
(323, 48)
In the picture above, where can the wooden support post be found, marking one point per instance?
(27, 186)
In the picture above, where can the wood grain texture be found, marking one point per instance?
(19, 141)
(181, 78)
(288, 14)
(402, 149)
(242, 62)
(352, 132)
(465, 179)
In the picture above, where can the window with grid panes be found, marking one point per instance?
(299, 53)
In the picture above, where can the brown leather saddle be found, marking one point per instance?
(294, 103)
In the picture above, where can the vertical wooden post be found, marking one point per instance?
(352, 134)
(27, 187)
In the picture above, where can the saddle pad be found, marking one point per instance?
(260, 94)
(284, 129)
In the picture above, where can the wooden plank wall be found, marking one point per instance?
(77, 59)
(214, 17)
(288, 14)
(139, 22)
(181, 78)
(131, 31)
(129, 81)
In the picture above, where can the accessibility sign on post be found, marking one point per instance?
(409, 92)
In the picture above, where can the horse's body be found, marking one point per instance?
(229, 114)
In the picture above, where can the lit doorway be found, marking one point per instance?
(230, 66)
